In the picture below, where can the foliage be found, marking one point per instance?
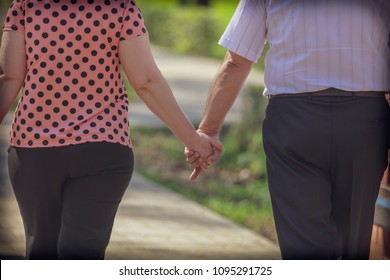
(187, 28)
(4, 4)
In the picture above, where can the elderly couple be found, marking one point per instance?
(326, 131)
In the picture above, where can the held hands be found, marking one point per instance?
(201, 160)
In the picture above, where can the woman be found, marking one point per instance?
(70, 158)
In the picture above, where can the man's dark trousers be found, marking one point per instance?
(325, 159)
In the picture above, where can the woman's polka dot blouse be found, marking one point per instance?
(73, 91)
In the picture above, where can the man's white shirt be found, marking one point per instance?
(315, 44)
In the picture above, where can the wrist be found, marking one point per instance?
(212, 132)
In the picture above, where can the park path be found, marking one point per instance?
(152, 221)
(190, 78)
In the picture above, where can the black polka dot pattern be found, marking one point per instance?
(73, 91)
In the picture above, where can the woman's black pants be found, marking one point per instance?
(68, 197)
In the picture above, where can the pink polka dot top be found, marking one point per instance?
(73, 92)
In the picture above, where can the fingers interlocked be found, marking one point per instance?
(199, 163)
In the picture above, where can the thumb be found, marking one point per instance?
(195, 173)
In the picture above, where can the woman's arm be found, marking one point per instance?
(12, 69)
(148, 82)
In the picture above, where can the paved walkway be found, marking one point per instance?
(190, 79)
(154, 222)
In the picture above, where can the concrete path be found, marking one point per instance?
(154, 222)
(190, 79)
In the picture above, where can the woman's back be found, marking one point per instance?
(73, 91)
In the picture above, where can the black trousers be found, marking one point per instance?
(68, 197)
(325, 160)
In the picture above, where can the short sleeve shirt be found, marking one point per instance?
(315, 44)
(73, 91)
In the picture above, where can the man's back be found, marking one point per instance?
(340, 44)
(317, 44)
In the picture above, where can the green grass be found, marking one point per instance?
(248, 205)
(227, 188)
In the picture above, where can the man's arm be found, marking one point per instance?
(12, 69)
(224, 90)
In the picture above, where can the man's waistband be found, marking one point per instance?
(331, 92)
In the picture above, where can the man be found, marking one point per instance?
(326, 127)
